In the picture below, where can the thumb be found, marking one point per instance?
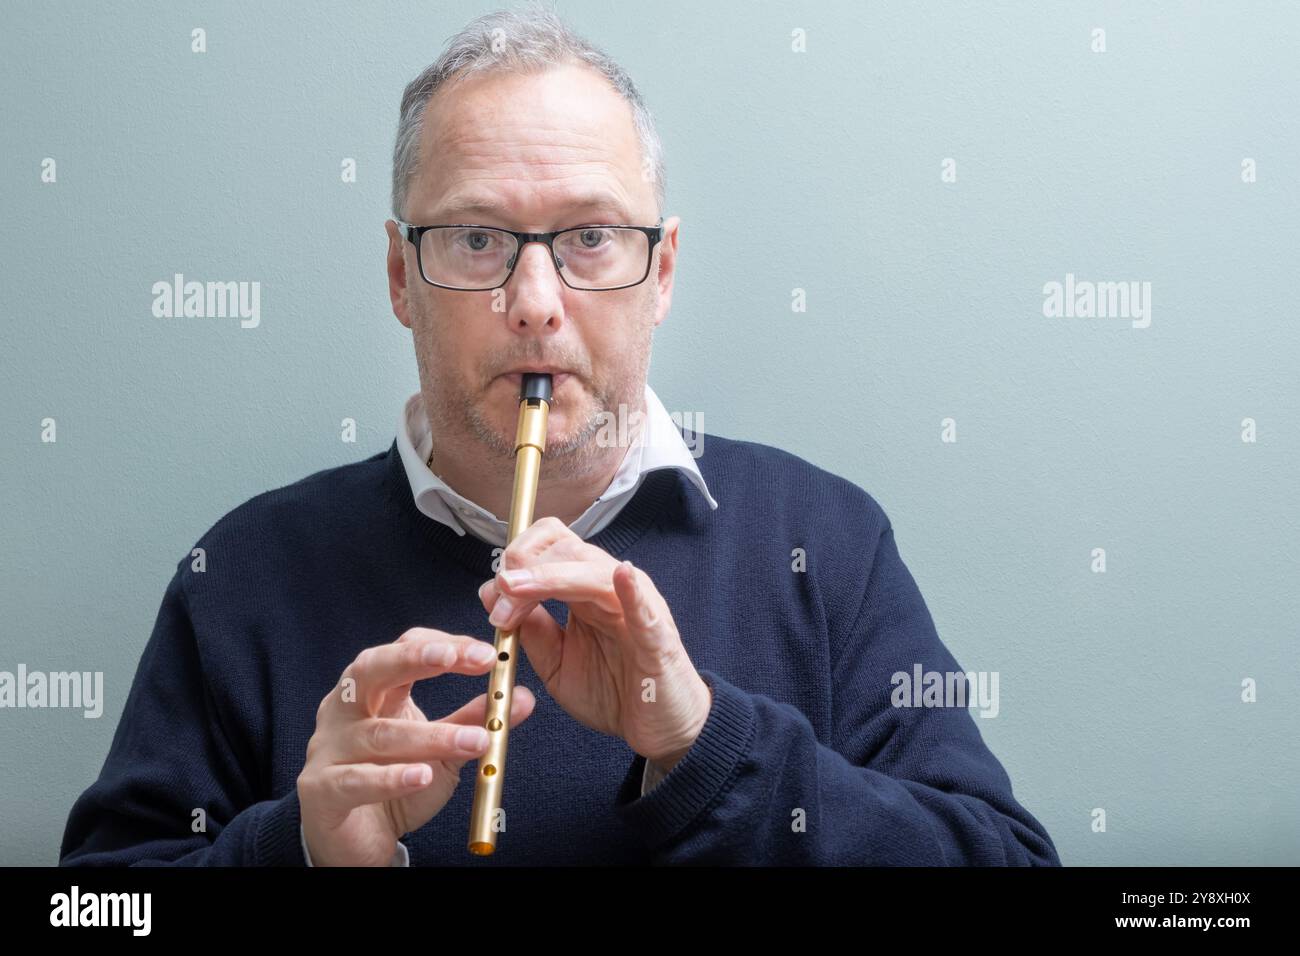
(541, 638)
(644, 610)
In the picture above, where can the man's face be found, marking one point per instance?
(538, 147)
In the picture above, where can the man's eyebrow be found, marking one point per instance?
(459, 209)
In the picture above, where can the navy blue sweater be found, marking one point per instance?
(803, 759)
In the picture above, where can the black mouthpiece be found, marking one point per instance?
(536, 385)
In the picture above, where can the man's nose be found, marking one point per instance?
(536, 256)
(538, 288)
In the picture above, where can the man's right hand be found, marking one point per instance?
(377, 767)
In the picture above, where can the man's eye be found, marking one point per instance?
(592, 238)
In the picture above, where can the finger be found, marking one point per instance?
(645, 612)
(538, 538)
(417, 654)
(385, 740)
(488, 592)
(542, 641)
(569, 581)
(397, 695)
(512, 610)
(505, 612)
(539, 634)
(342, 787)
(525, 621)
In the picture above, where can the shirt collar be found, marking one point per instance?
(659, 444)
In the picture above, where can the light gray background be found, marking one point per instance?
(1118, 690)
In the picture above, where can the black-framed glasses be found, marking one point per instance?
(596, 258)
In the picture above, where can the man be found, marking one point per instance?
(705, 680)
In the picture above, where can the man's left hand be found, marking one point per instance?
(618, 666)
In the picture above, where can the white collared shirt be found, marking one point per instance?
(658, 444)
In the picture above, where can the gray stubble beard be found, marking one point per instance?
(574, 457)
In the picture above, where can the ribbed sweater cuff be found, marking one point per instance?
(277, 841)
(700, 779)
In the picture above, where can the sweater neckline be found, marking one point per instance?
(635, 517)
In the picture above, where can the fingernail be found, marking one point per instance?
(501, 613)
(480, 654)
(471, 738)
(517, 576)
(412, 776)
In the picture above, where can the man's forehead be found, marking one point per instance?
(513, 146)
(568, 107)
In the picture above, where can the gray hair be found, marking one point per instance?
(535, 39)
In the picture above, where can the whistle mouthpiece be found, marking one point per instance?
(535, 385)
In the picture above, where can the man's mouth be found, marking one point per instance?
(516, 379)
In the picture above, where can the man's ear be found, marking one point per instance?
(397, 284)
(667, 271)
